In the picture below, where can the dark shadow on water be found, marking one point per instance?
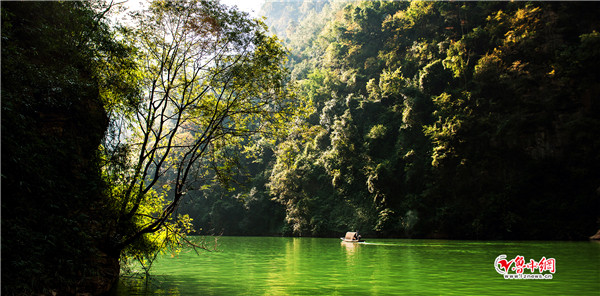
(140, 285)
(173, 285)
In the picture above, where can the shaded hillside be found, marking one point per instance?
(437, 119)
(427, 119)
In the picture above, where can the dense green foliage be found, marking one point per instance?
(437, 119)
(430, 119)
(242, 205)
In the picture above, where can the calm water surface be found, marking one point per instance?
(320, 266)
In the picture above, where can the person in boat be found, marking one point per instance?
(352, 237)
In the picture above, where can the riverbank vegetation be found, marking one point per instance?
(440, 119)
(473, 120)
(470, 120)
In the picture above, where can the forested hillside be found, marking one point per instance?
(467, 120)
(437, 119)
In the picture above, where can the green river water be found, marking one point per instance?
(322, 266)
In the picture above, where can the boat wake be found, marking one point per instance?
(379, 244)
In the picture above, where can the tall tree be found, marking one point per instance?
(210, 78)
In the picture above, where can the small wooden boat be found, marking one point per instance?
(352, 237)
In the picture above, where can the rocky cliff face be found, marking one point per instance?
(53, 196)
(53, 122)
